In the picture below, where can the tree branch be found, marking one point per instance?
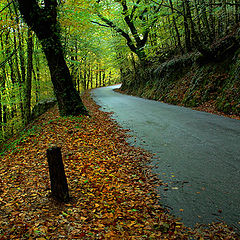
(134, 9)
(118, 30)
(6, 6)
(130, 23)
(9, 57)
(164, 5)
(51, 8)
(100, 24)
(146, 32)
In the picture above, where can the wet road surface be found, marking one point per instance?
(197, 154)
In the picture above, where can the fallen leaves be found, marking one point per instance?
(112, 191)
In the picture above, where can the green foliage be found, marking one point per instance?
(88, 47)
(13, 72)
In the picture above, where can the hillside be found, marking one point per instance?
(191, 80)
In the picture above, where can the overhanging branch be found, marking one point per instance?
(6, 6)
(100, 24)
(9, 57)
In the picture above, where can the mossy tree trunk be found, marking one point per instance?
(43, 21)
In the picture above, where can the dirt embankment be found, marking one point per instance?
(191, 80)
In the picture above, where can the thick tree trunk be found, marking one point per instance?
(69, 101)
(44, 24)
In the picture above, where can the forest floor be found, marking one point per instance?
(111, 187)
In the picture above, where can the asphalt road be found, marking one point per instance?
(197, 155)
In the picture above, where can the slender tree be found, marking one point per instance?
(176, 28)
(28, 83)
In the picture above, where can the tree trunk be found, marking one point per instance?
(188, 44)
(91, 78)
(206, 22)
(2, 89)
(37, 72)
(44, 24)
(28, 83)
(97, 76)
(109, 79)
(58, 179)
(176, 28)
(69, 101)
(197, 15)
(103, 79)
(16, 57)
(89, 75)
(100, 77)
(21, 54)
(237, 11)
(84, 80)
(212, 19)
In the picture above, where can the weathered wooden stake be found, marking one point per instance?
(58, 179)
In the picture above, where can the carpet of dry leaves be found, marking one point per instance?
(112, 189)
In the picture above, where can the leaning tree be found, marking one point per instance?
(42, 19)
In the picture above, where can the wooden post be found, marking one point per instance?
(58, 179)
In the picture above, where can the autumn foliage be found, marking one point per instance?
(111, 188)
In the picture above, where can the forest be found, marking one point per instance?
(25, 76)
(53, 51)
(182, 52)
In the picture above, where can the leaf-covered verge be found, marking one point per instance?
(112, 190)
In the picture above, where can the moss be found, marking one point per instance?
(184, 81)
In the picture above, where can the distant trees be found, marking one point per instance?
(197, 24)
(88, 49)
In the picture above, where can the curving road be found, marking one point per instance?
(197, 154)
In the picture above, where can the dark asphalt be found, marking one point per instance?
(197, 154)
